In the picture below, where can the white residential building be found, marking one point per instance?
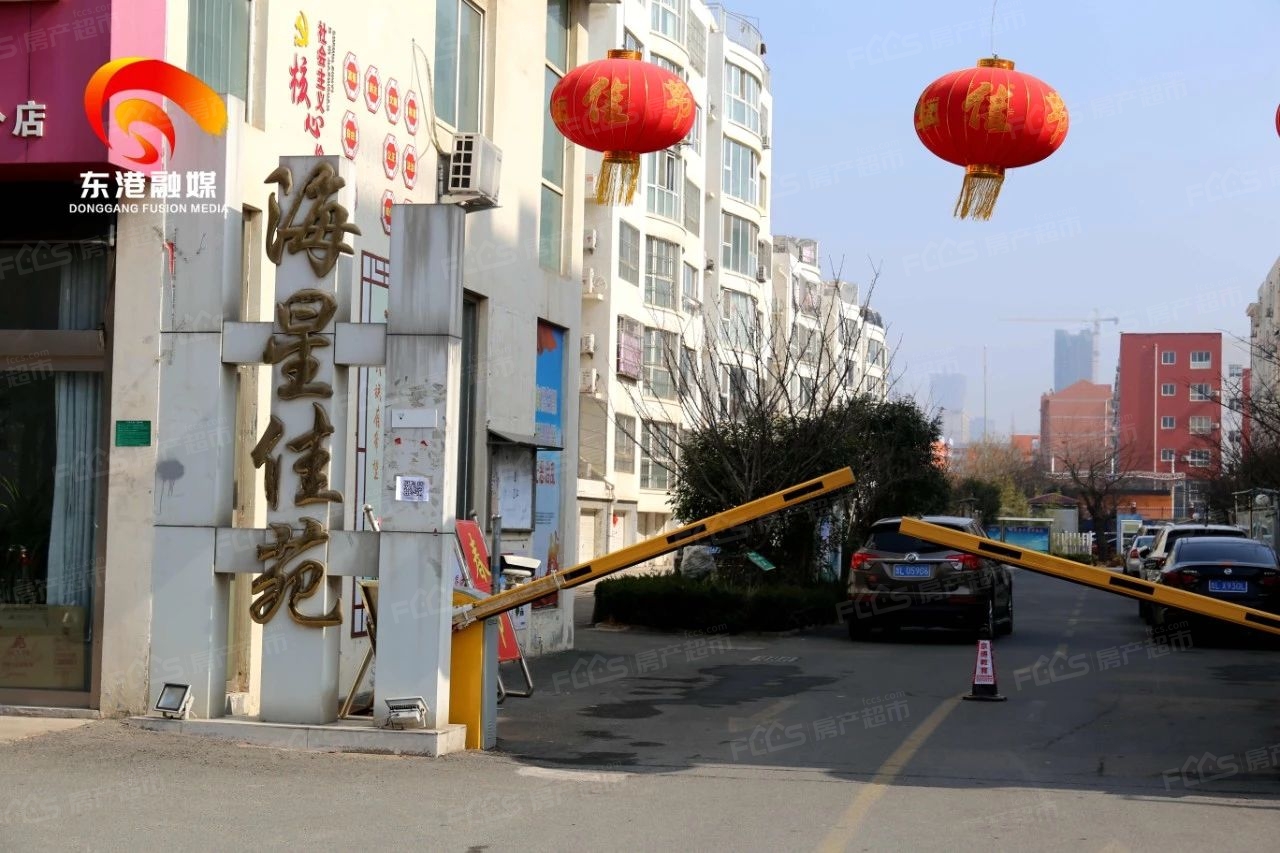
(694, 247)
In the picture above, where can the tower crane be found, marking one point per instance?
(1097, 320)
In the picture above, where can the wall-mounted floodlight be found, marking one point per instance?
(174, 701)
(403, 712)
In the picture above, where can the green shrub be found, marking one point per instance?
(671, 602)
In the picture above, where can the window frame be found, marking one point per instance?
(1200, 425)
(740, 179)
(673, 12)
(728, 231)
(1201, 392)
(1200, 458)
(624, 436)
(664, 184)
(629, 253)
(454, 122)
(653, 457)
(1168, 389)
(742, 99)
(1201, 364)
(653, 293)
(659, 377)
(1168, 422)
(1168, 356)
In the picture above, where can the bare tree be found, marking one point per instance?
(1098, 475)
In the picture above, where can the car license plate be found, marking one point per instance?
(1228, 586)
(910, 571)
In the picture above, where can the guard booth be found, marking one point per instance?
(1254, 510)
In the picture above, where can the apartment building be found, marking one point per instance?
(1169, 413)
(1263, 368)
(691, 253)
(1075, 426)
(113, 350)
(826, 340)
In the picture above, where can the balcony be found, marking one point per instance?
(742, 32)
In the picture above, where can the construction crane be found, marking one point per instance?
(1097, 320)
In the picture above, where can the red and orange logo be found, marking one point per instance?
(136, 73)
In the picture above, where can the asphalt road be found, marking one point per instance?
(1110, 740)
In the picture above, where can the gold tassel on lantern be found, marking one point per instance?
(978, 195)
(619, 177)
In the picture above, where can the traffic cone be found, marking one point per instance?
(984, 676)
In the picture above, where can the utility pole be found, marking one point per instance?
(984, 394)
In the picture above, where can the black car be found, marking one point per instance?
(1158, 554)
(897, 580)
(1242, 571)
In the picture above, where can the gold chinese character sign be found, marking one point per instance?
(1006, 119)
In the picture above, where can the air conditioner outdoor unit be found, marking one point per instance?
(475, 167)
(1217, 425)
(711, 264)
(762, 274)
(764, 142)
(589, 238)
(589, 382)
(589, 344)
(593, 286)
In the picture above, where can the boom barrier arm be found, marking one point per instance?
(650, 548)
(1103, 579)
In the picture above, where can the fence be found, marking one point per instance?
(1067, 542)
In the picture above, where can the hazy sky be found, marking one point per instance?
(1160, 208)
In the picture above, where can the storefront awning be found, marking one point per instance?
(503, 437)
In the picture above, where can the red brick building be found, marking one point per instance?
(1076, 425)
(1169, 409)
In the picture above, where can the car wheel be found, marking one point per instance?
(857, 629)
(1006, 626)
(987, 625)
(1144, 611)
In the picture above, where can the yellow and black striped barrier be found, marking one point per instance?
(1097, 578)
(650, 548)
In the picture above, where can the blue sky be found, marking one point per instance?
(1160, 208)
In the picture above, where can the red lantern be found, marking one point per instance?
(989, 119)
(623, 107)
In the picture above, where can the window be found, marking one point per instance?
(1200, 458)
(875, 353)
(624, 444)
(738, 320)
(741, 167)
(1167, 389)
(805, 296)
(1201, 391)
(1201, 359)
(1166, 455)
(1167, 422)
(807, 344)
(736, 385)
(661, 349)
(657, 454)
(697, 46)
(742, 91)
(551, 212)
(1167, 357)
(691, 294)
(763, 201)
(803, 391)
(739, 245)
(551, 229)
(660, 273)
(630, 347)
(1235, 371)
(218, 44)
(628, 253)
(459, 54)
(692, 207)
(666, 175)
(667, 17)
(688, 371)
(630, 42)
(1200, 424)
(695, 133)
(666, 64)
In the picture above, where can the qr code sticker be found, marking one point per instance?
(411, 488)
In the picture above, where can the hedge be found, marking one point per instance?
(672, 602)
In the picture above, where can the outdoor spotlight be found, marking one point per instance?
(1262, 501)
(405, 711)
(174, 701)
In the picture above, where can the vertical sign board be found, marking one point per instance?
(548, 425)
(475, 563)
(375, 278)
(295, 599)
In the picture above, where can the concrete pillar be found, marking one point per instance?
(420, 418)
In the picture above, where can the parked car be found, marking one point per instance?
(1153, 561)
(1236, 569)
(1133, 559)
(897, 580)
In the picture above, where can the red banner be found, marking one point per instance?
(475, 562)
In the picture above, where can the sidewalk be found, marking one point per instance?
(19, 728)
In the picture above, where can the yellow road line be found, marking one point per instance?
(847, 826)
